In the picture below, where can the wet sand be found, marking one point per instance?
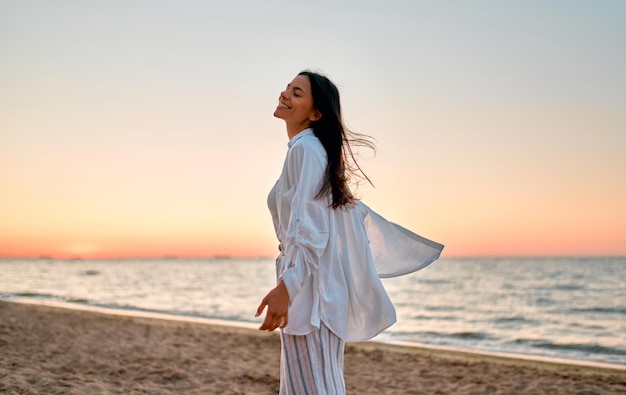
(50, 350)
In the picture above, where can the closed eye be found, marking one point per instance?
(298, 92)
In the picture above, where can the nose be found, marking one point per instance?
(284, 94)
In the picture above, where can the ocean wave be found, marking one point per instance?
(516, 319)
(44, 297)
(69, 301)
(31, 295)
(441, 336)
(585, 326)
(600, 310)
(544, 302)
(471, 335)
(434, 281)
(574, 347)
(443, 308)
(422, 317)
(569, 287)
(587, 348)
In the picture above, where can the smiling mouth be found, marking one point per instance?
(281, 105)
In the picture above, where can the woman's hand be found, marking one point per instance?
(277, 302)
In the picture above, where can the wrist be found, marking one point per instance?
(282, 288)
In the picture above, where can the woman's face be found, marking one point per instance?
(295, 105)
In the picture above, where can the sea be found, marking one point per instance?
(564, 309)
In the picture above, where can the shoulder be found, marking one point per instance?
(307, 155)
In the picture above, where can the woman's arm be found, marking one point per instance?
(307, 230)
(308, 223)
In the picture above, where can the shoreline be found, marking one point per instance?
(254, 326)
(52, 350)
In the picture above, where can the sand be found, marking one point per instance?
(49, 350)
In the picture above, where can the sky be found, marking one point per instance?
(145, 128)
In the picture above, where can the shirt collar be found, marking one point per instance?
(305, 132)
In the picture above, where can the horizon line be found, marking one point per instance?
(237, 257)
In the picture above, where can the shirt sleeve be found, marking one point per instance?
(308, 222)
(396, 250)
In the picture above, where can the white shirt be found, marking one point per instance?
(331, 260)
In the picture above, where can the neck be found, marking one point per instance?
(294, 130)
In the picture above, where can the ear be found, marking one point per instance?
(315, 116)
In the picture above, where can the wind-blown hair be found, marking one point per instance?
(337, 141)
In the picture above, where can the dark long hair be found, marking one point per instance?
(337, 141)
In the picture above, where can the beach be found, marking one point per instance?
(51, 350)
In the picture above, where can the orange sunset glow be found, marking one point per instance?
(136, 131)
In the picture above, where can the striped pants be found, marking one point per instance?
(312, 364)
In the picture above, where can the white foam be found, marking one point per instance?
(526, 357)
(132, 313)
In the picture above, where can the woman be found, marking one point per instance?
(333, 248)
